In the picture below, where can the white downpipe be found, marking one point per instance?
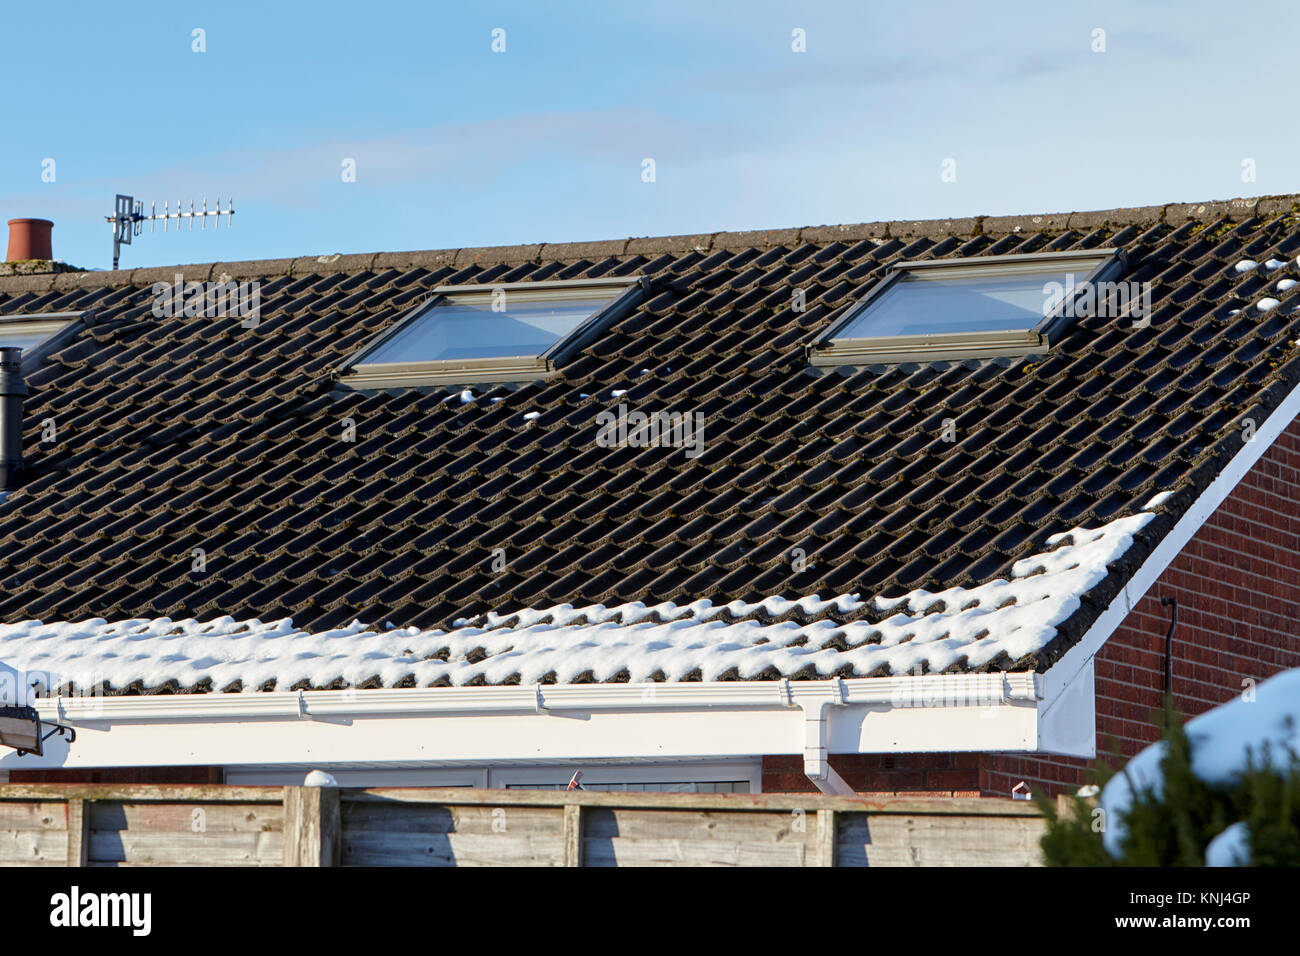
(816, 737)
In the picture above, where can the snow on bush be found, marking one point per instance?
(1230, 848)
(1260, 726)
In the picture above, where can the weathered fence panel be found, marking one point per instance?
(34, 833)
(628, 836)
(104, 825)
(888, 839)
(410, 834)
(176, 834)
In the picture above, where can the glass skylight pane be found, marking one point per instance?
(920, 305)
(467, 328)
(22, 340)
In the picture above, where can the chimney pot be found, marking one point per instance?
(30, 239)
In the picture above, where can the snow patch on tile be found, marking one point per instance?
(1267, 304)
(1246, 265)
(995, 624)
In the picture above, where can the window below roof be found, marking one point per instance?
(487, 333)
(981, 307)
(37, 335)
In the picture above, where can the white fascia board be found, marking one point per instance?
(608, 722)
(1079, 658)
(1067, 723)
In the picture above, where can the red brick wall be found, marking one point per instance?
(1237, 584)
(930, 775)
(121, 775)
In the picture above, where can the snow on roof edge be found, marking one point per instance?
(990, 627)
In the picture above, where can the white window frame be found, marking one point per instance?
(359, 374)
(727, 771)
(750, 771)
(60, 328)
(358, 776)
(830, 349)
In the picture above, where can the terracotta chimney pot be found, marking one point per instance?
(29, 239)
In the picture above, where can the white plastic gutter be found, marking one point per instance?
(929, 691)
(468, 725)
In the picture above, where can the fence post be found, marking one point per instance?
(1064, 806)
(312, 826)
(78, 832)
(825, 850)
(572, 834)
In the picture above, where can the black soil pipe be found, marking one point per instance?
(12, 392)
(1172, 604)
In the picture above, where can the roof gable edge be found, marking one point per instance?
(1065, 669)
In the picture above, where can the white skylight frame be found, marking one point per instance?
(53, 329)
(831, 348)
(356, 372)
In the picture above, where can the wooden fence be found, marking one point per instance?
(107, 825)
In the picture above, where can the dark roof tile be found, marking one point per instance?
(181, 433)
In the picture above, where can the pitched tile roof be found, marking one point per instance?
(177, 434)
(999, 626)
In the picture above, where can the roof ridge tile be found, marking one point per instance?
(1235, 210)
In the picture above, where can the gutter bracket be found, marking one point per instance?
(302, 707)
(539, 703)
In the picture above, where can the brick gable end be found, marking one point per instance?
(1237, 584)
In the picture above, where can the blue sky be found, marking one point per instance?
(455, 145)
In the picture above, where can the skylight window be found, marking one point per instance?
(980, 307)
(37, 335)
(486, 333)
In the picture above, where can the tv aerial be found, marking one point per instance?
(128, 218)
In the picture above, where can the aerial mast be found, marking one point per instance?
(128, 219)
